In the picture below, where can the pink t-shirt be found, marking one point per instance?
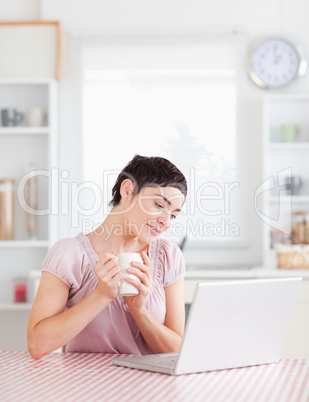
(113, 330)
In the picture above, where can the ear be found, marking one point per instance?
(127, 189)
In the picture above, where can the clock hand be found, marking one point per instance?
(277, 58)
(277, 55)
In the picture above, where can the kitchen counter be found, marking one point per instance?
(93, 377)
(194, 272)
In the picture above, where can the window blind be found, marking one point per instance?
(172, 96)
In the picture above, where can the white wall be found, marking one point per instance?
(258, 18)
(20, 10)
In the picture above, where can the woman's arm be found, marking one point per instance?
(49, 326)
(164, 338)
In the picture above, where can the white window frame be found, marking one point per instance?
(213, 243)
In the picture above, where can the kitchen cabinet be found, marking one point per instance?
(285, 153)
(13, 322)
(25, 148)
(297, 338)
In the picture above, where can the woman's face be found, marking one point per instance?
(153, 210)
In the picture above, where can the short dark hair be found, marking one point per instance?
(146, 171)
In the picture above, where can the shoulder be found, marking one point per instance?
(68, 248)
(66, 252)
(167, 247)
(169, 260)
(65, 259)
(70, 243)
(169, 252)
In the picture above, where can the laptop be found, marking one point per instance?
(231, 324)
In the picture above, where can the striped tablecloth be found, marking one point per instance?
(93, 377)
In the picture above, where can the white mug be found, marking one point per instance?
(125, 259)
(35, 116)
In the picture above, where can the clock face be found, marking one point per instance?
(274, 63)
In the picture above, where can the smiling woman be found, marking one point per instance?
(78, 306)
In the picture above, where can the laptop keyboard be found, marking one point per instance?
(168, 362)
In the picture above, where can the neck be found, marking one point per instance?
(115, 235)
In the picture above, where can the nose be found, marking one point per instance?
(165, 218)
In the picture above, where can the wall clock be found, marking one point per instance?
(275, 63)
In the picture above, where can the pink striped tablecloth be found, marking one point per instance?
(93, 377)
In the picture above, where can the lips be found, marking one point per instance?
(154, 230)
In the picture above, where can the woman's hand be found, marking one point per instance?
(142, 271)
(109, 274)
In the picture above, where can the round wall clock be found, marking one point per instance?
(275, 63)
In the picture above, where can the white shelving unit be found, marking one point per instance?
(24, 131)
(278, 204)
(15, 307)
(21, 146)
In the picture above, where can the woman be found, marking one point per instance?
(78, 306)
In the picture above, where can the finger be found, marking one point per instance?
(142, 267)
(144, 277)
(110, 256)
(139, 265)
(104, 270)
(137, 272)
(105, 258)
(113, 262)
(141, 270)
(114, 271)
(142, 288)
(117, 276)
(145, 258)
(111, 275)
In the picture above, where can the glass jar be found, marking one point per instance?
(6, 209)
(279, 237)
(299, 227)
(307, 228)
(20, 290)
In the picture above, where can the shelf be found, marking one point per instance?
(289, 145)
(24, 130)
(288, 97)
(250, 273)
(26, 81)
(287, 198)
(278, 157)
(25, 148)
(23, 243)
(15, 306)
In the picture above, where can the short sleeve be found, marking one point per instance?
(173, 264)
(65, 260)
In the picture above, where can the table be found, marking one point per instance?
(93, 377)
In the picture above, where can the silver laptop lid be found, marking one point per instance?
(237, 323)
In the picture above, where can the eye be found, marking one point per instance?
(159, 205)
(173, 216)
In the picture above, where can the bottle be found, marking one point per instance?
(20, 290)
(6, 209)
(31, 200)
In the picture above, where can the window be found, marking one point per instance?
(175, 97)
